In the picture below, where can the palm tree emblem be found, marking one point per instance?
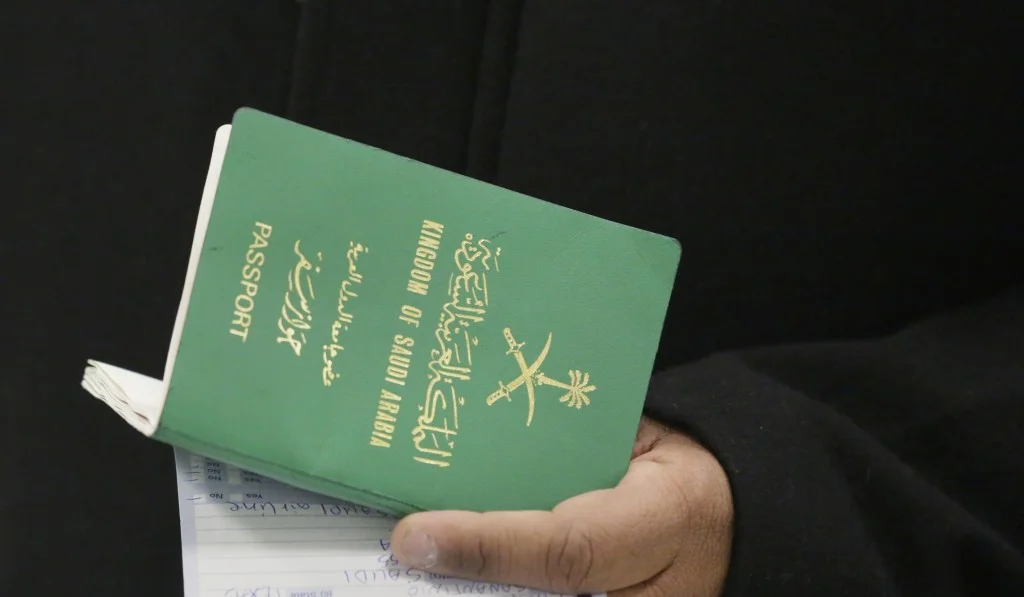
(576, 389)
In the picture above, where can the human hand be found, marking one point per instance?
(665, 530)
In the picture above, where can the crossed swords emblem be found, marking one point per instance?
(530, 376)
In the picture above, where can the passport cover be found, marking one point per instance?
(375, 329)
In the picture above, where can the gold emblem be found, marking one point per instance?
(530, 377)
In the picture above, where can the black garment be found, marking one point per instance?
(835, 170)
(876, 467)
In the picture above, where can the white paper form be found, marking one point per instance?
(244, 535)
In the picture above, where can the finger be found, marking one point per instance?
(595, 542)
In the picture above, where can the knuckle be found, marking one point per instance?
(498, 557)
(484, 557)
(569, 561)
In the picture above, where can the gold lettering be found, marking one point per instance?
(253, 257)
(451, 362)
(245, 301)
(344, 317)
(264, 230)
(399, 361)
(259, 241)
(432, 228)
(296, 314)
(400, 358)
(251, 273)
(425, 255)
(240, 324)
(417, 287)
(411, 315)
(387, 414)
(388, 407)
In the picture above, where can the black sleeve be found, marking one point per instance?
(879, 467)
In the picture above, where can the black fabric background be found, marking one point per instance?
(832, 169)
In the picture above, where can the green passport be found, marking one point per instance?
(375, 329)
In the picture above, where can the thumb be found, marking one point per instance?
(591, 543)
(531, 549)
